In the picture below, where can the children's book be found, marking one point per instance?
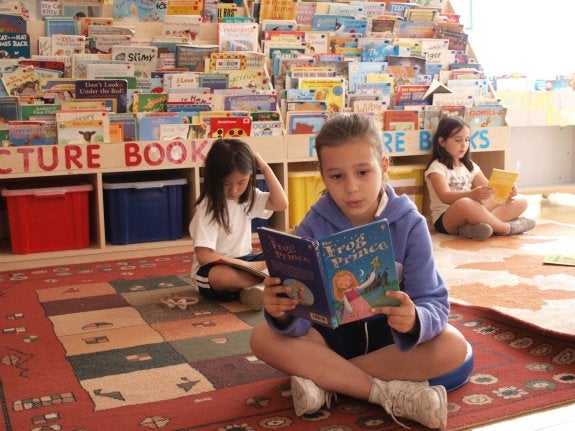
(140, 10)
(103, 43)
(12, 23)
(238, 36)
(305, 123)
(278, 10)
(61, 25)
(83, 126)
(15, 45)
(560, 259)
(84, 24)
(337, 279)
(195, 57)
(65, 44)
(104, 88)
(21, 82)
(144, 58)
(230, 127)
(251, 103)
(401, 120)
(486, 116)
(502, 181)
(27, 133)
(81, 8)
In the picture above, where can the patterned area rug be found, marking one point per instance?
(90, 347)
(507, 273)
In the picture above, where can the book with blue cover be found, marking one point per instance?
(337, 279)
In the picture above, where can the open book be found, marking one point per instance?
(502, 182)
(337, 279)
(261, 274)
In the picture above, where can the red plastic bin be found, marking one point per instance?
(48, 218)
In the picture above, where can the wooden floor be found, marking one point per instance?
(559, 208)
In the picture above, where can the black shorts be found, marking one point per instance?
(222, 296)
(438, 225)
(351, 340)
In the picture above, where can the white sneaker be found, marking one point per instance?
(308, 397)
(477, 232)
(253, 297)
(413, 400)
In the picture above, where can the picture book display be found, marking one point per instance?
(502, 181)
(337, 279)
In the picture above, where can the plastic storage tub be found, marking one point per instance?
(50, 216)
(143, 208)
(304, 188)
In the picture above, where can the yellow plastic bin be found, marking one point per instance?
(408, 179)
(304, 189)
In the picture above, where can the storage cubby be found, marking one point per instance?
(97, 163)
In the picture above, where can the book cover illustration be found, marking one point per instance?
(149, 124)
(187, 26)
(103, 89)
(486, 116)
(103, 43)
(501, 182)
(144, 58)
(83, 127)
(149, 102)
(60, 25)
(329, 90)
(12, 23)
(26, 133)
(267, 128)
(64, 44)
(82, 8)
(278, 10)
(251, 103)
(305, 123)
(14, 45)
(109, 70)
(195, 57)
(337, 279)
(9, 109)
(140, 10)
(27, 110)
(21, 82)
(230, 127)
(84, 24)
(401, 120)
(238, 36)
(128, 124)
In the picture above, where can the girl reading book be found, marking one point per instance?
(221, 226)
(460, 198)
(389, 357)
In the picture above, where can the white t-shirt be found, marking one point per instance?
(458, 179)
(207, 233)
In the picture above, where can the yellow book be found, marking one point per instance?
(502, 182)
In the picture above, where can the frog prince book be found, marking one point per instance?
(337, 279)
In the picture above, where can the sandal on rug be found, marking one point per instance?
(175, 300)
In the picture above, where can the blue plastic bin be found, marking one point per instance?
(139, 210)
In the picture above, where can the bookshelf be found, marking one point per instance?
(91, 163)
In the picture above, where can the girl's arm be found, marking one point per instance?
(277, 200)
(448, 197)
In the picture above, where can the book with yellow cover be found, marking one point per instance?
(502, 181)
(560, 259)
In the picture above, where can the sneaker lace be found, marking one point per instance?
(402, 405)
(328, 397)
